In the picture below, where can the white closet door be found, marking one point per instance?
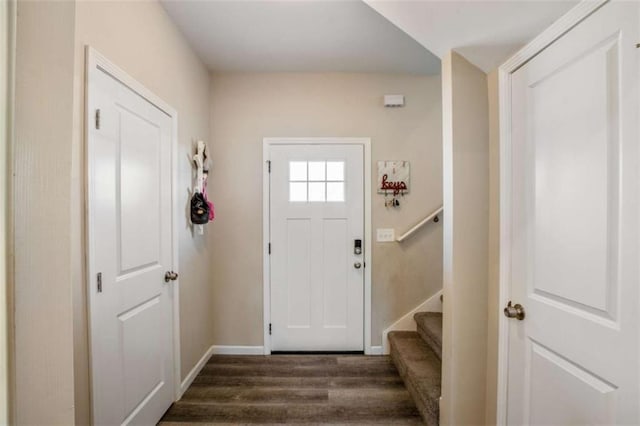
(130, 207)
(573, 359)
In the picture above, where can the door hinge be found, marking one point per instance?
(99, 279)
(269, 329)
(269, 165)
(98, 118)
(269, 248)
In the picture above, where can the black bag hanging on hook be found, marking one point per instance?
(199, 209)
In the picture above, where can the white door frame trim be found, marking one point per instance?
(266, 221)
(572, 18)
(9, 16)
(93, 59)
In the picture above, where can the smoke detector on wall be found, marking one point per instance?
(393, 101)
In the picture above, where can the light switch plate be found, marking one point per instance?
(385, 235)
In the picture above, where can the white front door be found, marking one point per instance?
(130, 249)
(317, 225)
(573, 359)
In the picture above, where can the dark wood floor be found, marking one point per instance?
(289, 389)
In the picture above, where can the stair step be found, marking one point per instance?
(420, 369)
(430, 329)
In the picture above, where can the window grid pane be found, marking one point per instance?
(298, 171)
(335, 171)
(317, 191)
(298, 191)
(317, 171)
(335, 191)
(316, 181)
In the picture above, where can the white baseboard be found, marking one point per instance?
(238, 350)
(195, 371)
(376, 350)
(406, 323)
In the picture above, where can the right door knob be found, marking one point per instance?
(515, 311)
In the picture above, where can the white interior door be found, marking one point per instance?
(130, 244)
(317, 276)
(573, 359)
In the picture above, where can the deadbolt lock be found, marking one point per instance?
(357, 246)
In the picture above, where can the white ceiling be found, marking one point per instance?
(484, 32)
(298, 36)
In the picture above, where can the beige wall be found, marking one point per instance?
(466, 207)
(245, 108)
(140, 38)
(221, 296)
(42, 193)
(51, 320)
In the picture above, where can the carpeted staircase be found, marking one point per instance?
(418, 357)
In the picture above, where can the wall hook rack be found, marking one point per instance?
(201, 164)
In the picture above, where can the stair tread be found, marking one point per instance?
(420, 368)
(430, 329)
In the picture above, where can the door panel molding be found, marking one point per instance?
(96, 62)
(266, 231)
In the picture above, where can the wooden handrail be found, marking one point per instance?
(419, 225)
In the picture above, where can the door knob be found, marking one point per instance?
(515, 311)
(170, 276)
(357, 265)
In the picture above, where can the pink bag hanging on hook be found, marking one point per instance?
(212, 214)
